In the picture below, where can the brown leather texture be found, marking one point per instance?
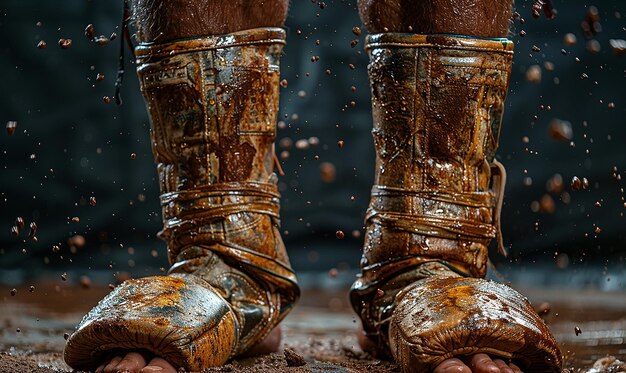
(213, 104)
(441, 317)
(437, 104)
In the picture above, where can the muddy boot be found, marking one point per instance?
(437, 108)
(213, 103)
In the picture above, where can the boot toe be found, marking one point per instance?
(438, 318)
(179, 318)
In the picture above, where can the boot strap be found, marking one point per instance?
(185, 211)
(405, 210)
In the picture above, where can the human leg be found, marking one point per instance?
(439, 72)
(209, 73)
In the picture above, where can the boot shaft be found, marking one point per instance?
(437, 104)
(213, 104)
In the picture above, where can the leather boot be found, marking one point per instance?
(437, 107)
(213, 103)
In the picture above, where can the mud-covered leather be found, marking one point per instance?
(441, 317)
(437, 104)
(180, 318)
(213, 103)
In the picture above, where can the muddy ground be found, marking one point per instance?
(321, 330)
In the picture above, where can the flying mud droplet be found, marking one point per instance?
(90, 32)
(340, 144)
(65, 43)
(576, 184)
(533, 74)
(13, 292)
(101, 40)
(64, 276)
(332, 273)
(19, 221)
(11, 127)
(85, 282)
(15, 231)
(577, 331)
(560, 130)
(75, 219)
(92, 201)
(327, 172)
(33, 230)
(569, 39)
(42, 44)
(593, 46)
(133, 156)
(618, 46)
(99, 77)
(340, 235)
(106, 99)
(77, 241)
(302, 144)
(356, 30)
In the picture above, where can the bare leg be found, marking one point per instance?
(167, 20)
(478, 18)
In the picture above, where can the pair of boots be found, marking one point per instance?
(437, 106)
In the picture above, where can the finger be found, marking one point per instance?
(515, 368)
(110, 367)
(452, 365)
(503, 367)
(482, 363)
(158, 365)
(132, 362)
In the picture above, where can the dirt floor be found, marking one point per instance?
(589, 325)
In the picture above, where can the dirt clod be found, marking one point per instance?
(293, 358)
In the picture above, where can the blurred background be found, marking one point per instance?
(81, 169)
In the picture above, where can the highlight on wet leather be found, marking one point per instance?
(178, 318)
(439, 318)
(213, 104)
(437, 103)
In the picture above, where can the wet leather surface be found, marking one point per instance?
(212, 103)
(437, 105)
(441, 317)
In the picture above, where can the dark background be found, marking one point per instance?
(70, 146)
